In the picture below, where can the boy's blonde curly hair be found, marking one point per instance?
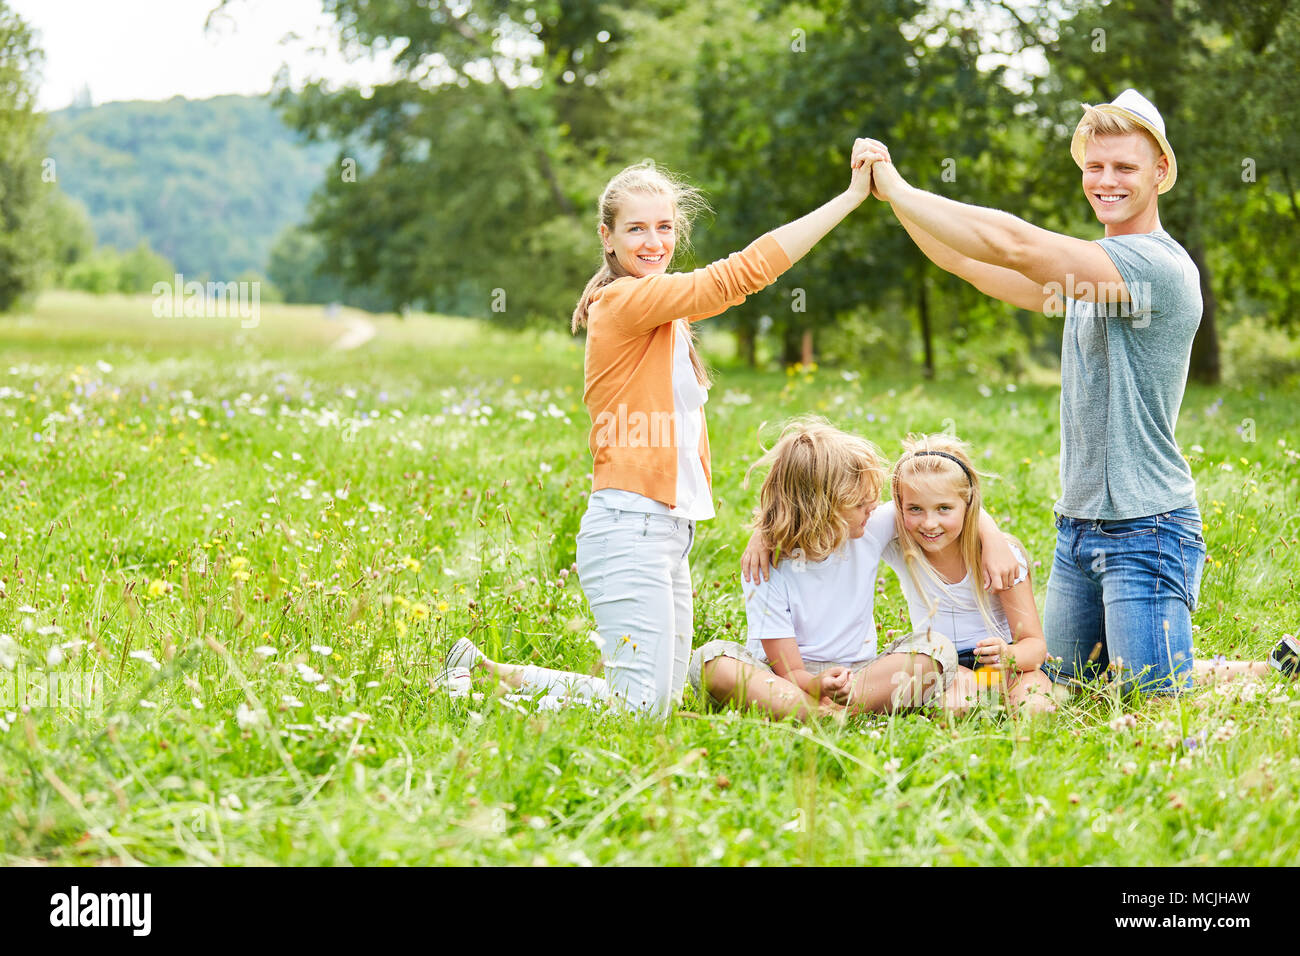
(816, 473)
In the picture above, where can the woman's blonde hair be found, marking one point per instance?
(644, 178)
(941, 462)
(816, 473)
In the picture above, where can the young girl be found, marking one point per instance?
(645, 389)
(937, 556)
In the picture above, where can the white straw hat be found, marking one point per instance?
(1142, 111)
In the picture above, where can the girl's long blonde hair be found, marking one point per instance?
(919, 465)
(647, 179)
(816, 473)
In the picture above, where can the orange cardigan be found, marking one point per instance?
(628, 365)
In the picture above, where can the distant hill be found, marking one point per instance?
(208, 183)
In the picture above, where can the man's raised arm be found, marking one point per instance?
(1049, 261)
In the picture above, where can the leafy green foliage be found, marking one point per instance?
(22, 246)
(107, 270)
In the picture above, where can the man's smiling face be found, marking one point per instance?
(1121, 177)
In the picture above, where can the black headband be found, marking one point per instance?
(944, 454)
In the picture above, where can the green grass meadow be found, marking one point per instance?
(239, 556)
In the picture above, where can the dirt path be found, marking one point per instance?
(359, 331)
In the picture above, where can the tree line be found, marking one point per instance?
(508, 116)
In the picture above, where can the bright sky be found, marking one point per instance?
(157, 49)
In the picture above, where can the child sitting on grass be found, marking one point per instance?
(937, 554)
(812, 637)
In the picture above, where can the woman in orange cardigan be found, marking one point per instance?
(645, 391)
(645, 388)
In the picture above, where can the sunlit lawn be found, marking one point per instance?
(255, 550)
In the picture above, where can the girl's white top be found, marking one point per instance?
(957, 616)
(827, 606)
(694, 500)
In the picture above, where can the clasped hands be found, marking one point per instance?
(870, 160)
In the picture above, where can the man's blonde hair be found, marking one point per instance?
(816, 473)
(1097, 123)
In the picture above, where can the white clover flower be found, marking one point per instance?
(323, 649)
(148, 658)
(8, 652)
(309, 674)
(247, 717)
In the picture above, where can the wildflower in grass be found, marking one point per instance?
(309, 674)
(323, 649)
(442, 607)
(419, 612)
(147, 657)
(411, 564)
(288, 701)
(8, 652)
(158, 587)
(265, 650)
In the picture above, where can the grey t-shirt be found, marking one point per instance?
(1123, 371)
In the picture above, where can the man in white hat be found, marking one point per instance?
(1129, 553)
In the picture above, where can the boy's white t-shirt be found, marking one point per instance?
(825, 605)
(957, 615)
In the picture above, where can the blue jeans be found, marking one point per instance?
(1122, 594)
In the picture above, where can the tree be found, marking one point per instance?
(300, 271)
(781, 102)
(484, 153)
(21, 247)
(68, 233)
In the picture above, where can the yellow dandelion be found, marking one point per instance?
(157, 588)
(418, 612)
(442, 607)
(410, 563)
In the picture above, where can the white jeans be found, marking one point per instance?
(634, 571)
